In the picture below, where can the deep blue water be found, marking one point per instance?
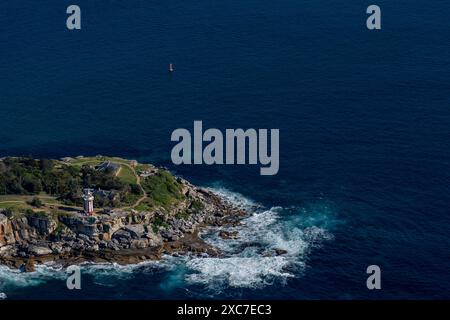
(364, 133)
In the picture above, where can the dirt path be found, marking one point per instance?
(138, 182)
(139, 201)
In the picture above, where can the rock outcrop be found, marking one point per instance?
(122, 236)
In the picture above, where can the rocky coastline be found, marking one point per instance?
(116, 235)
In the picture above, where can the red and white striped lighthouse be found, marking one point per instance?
(88, 204)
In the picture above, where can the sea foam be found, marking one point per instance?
(251, 260)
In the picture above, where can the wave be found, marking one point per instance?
(253, 260)
(10, 278)
(235, 198)
(247, 272)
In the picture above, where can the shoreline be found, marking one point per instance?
(117, 235)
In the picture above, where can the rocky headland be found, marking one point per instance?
(163, 216)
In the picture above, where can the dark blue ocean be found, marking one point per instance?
(364, 125)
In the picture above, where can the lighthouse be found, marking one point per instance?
(88, 199)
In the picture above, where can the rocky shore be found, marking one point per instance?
(116, 235)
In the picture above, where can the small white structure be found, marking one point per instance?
(88, 199)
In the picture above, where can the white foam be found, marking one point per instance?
(105, 274)
(234, 197)
(251, 260)
(251, 272)
(3, 296)
(15, 278)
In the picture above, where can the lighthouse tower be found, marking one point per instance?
(88, 199)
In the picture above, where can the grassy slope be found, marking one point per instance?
(162, 189)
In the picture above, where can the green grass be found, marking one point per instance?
(20, 203)
(85, 161)
(143, 166)
(127, 175)
(143, 206)
(97, 160)
(162, 189)
(15, 206)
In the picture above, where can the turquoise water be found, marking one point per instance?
(364, 131)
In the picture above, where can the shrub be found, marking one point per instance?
(162, 188)
(38, 214)
(197, 205)
(36, 202)
(182, 215)
(158, 222)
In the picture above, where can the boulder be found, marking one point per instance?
(56, 248)
(280, 252)
(29, 266)
(139, 244)
(39, 251)
(136, 230)
(153, 239)
(228, 234)
(169, 235)
(121, 234)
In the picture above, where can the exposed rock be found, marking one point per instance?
(136, 231)
(39, 251)
(280, 252)
(29, 266)
(44, 225)
(228, 234)
(139, 244)
(57, 248)
(153, 239)
(119, 235)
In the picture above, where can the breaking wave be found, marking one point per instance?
(272, 246)
(10, 278)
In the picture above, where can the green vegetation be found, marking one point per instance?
(36, 202)
(65, 181)
(143, 206)
(91, 220)
(182, 215)
(158, 222)
(126, 175)
(37, 214)
(60, 228)
(29, 176)
(28, 184)
(197, 205)
(162, 189)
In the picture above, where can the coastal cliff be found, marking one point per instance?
(141, 212)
